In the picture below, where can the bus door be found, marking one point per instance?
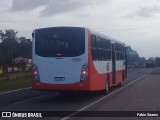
(113, 64)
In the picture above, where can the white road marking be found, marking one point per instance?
(28, 100)
(93, 103)
(15, 90)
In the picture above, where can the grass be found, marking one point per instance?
(2, 75)
(13, 84)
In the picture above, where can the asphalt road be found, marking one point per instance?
(139, 83)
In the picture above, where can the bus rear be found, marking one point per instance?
(60, 58)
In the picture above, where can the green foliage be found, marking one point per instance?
(2, 75)
(25, 46)
(13, 84)
(12, 47)
(8, 46)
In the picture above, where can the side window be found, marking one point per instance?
(98, 40)
(94, 47)
(101, 48)
(108, 56)
(108, 47)
(119, 48)
(104, 43)
(108, 44)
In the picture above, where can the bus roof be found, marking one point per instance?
(107, 37)
(96, 33)
(60, 27)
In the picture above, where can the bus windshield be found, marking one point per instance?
(60, 42)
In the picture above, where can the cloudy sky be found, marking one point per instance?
(135, 22)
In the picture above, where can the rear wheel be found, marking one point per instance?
(105, 91)
(120, 84)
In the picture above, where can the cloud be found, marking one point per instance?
(52, 7)
(25, 5)
(146, 11)
(64, 6)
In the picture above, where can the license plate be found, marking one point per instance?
(59, 78)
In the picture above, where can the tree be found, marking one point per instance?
(12, 48)
(9, 35)
(158, 61)
(25, 46)
(8, 46)
(132, 57)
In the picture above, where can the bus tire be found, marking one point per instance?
(105, 91)
(121, 83)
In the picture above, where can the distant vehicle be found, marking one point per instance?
(75, 58)
(150, 63)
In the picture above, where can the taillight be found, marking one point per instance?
(84, 72)
(35, 72)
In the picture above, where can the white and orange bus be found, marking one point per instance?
(76, 58)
